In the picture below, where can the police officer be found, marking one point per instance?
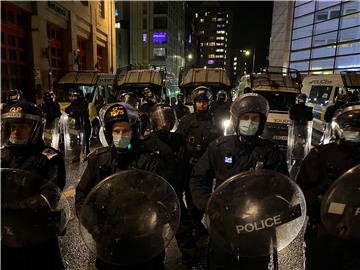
(149, 102)
(170, 148)
(320, 168)
(50, 108)
(78, 109)
(122, 131)
(221, 108)
(230, 155)
(14, 96)
(23, 148)
(340, 99)
(180, 109)
(300, 112)
(198, 130)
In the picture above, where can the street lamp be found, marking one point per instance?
(190, 56)
(247, 53)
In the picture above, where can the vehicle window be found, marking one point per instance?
(62, 91)
(279, 101)
(320, 94)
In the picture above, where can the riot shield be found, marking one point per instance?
(255, 213)
(32, 209)
(130, 217)
(299, 142)
(73, 138)
(340, 207)
(327, 134)
(52, 133)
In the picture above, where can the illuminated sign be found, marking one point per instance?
(159, 37)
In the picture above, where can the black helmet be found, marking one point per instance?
(119, 112)
(13, 96)
(75, 94)
(130, 98)
(180, 98)
(49, 96)
(221, 96)
(201, 93)
(301, 98)
(346, 119)
(249, 103)
(28, 118)
(162, 117)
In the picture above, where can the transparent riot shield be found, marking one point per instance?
(73, 138)
(32, 209)
(340, 207)
(52, 133)
(299, 142)
(327, 134)
(130, 217)
(255, 213)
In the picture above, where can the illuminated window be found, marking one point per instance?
(235, 58)
(196, 15)
(201, 20)
(234, 68)
(213, 19)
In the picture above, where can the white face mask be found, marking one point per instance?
(248, 127)
(351, 136)
(122, 142)
(17, 141)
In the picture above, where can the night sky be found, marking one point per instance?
(251, 25)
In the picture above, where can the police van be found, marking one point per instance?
(321, 91)
(98, 89)
(280, 86)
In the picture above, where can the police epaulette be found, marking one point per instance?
(98, 151)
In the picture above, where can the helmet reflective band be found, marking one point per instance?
(22, 124)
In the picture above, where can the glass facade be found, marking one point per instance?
(325, 36)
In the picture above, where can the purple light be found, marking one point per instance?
(190, 39)
(144, 38)
(159, 37)
(211, 61)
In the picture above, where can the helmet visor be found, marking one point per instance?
(163, 119)
(17, 131)
(349, 120)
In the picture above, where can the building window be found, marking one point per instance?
(159, 52)
(102, 9)
(15, 51)
(56, 50)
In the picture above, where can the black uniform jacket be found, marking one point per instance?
(227, 156)
(38, 158)
(106, 161)
(321, 167)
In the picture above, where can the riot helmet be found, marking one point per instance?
(346, 122)
(301, 98)
(251, 104)
(222, 96)
(148, 94)
(13, 96)
(49, 96)
(22, 124)
(130, 98)
(121, 124)
(75, 95)
(180, 98)
(201, 97)
(162, 118)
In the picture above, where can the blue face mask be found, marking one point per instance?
(351, 136)
(248, 127)
(122, 142)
